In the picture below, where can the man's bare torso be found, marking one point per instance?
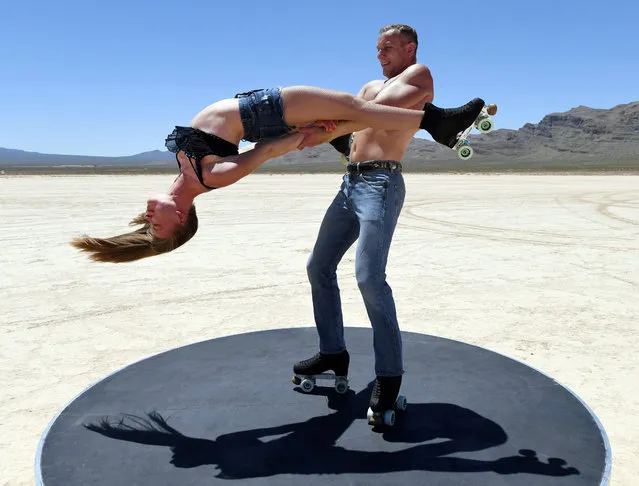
(373, 144)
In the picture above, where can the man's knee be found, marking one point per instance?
(369, 283)
(316, 269)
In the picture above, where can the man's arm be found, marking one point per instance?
(231, 169)
(413, 86)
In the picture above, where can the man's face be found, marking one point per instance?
(394, 53)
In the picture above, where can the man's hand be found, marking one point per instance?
(328, 125)
(314, 136)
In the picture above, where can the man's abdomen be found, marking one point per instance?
(370, 144)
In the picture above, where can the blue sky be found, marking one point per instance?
(112, 78)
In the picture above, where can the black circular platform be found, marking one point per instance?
(225, 410)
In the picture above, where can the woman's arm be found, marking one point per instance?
(224, 172)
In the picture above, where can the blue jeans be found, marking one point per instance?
(366, 208)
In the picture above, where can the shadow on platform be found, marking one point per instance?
(433, 432)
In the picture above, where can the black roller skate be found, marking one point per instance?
(385, 399)
(445, 124)
(309, 370)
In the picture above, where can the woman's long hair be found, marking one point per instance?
(137, 244)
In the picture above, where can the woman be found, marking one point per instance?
(208, 157)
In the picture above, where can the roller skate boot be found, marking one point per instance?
(385, 399)
(445, 124)
(306, 372)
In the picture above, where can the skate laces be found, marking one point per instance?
(312, 360)
(377, 391)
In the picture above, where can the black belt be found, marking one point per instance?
(355, 167)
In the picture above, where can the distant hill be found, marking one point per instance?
(580, 138)
(15, 158)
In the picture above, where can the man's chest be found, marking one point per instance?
(375, 88)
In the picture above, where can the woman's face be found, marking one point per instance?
(162, 213)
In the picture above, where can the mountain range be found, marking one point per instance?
(581, 138)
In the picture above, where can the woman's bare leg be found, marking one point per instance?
(306, 104)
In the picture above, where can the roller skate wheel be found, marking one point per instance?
(464, 151)
(401, 403)
(485, 125)
(296, 380)
(307, 385)
(389, 418)
(341, 386)
(492, 109)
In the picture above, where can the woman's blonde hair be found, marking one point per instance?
(137, 244)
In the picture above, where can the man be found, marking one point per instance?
(366, 208)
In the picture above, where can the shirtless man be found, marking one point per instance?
(366, 209)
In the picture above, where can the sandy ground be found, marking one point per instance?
(544, 269)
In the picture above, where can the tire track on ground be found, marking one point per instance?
(412, 219)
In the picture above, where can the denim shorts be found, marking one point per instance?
(262, 114)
